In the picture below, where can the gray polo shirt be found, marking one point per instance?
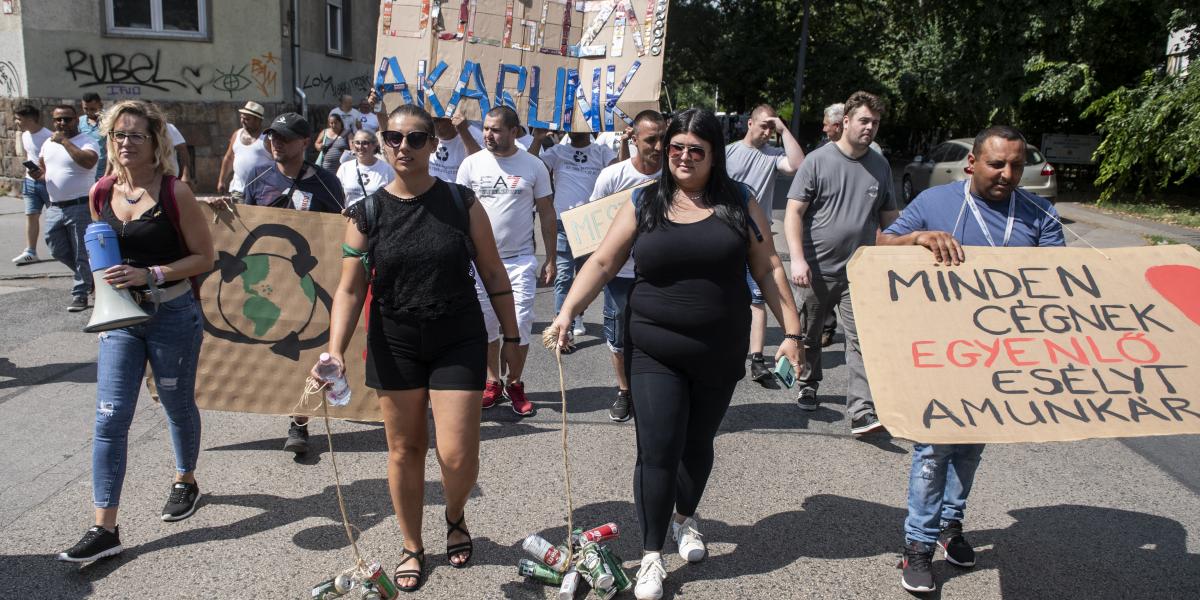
(756, 168)
(845, 198)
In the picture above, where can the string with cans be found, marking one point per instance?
(583, 558)
(369, 579)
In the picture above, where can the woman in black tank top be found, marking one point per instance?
(692, 235)
(426, 341)
(164, 240)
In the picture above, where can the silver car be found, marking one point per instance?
(947, 162)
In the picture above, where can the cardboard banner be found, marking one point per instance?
(586, 225)
(575, 65)
(266, 313)
(1031, 344)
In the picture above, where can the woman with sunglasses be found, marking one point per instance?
(332, 143)
(688, 324)
(164, 239)
(365, 174)
(426, 342)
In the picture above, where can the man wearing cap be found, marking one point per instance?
(247, 151)
(292, 182)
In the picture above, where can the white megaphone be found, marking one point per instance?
(114, 308)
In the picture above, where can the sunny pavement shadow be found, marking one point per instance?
(70, 372)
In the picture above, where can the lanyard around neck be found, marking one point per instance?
(968, 201)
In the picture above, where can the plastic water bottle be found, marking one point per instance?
(338, 392)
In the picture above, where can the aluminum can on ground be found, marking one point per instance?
(550, 555)
(539, 572)
(384, 586)
(602, 533)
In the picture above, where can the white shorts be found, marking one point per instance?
(522, 274)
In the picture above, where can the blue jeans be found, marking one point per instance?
(938, 486)
(34, 194)
(564, 273)
(756, 295)
(616, 298)
(64, 235)
(170, 340)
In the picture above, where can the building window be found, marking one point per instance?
(186, 19)
(337, 27)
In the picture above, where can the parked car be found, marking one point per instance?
(948, 162)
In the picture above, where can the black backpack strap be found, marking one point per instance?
(370, 212)
(460, 204)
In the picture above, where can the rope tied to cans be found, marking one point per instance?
(550, 341)
(313, 387)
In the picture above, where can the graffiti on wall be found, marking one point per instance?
(126, 74)
(354, 86)
(10, 79)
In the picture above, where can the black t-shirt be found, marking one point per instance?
(421, 252)
(317, 190)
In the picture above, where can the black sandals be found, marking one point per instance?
(468, 546)
(418, 573)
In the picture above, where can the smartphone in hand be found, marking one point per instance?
(32, 167)
(785, 372)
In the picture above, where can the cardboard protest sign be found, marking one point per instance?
(1031, 344)
(576, 65)
(587, 224)
(266, 313)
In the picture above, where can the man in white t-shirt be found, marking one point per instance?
(68, 166)
(573, 170)
(510, 183)
(647, 134)
(754, 162)
(29, 144)
(183, 160)
(455, 144)
(366, 117)
(345, 111)
(476, 129)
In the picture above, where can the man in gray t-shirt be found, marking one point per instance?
(754, 162)
(840, 199)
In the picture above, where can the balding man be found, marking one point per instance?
(754, 162)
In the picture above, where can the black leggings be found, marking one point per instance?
(676, 420)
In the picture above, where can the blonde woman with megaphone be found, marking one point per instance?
(164, 240)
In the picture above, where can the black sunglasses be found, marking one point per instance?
(416, 139)
(694, 153)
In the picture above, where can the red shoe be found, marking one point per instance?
(521, 405)
(493, 392)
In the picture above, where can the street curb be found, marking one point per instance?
(1144, 227)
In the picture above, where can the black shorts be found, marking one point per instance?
(407, 353)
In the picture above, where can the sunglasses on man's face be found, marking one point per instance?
(694, 153)
(416, 139)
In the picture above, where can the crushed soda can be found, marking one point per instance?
(592, 567)
(327, 590)
(621, 581)
(550, 555)
(602, 533)
(369, 592)
(379, 580)
(570, 585)
(539, 572)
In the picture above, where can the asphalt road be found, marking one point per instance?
(796, 507)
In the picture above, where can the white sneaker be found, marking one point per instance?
(25, 258)
(650, 577)
(689, 540)
(580, 328)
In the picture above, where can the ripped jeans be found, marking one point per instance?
(938, 486)
(170, 341)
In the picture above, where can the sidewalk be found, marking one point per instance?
(1121, 227)
(12, 241)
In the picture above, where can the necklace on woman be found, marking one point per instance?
(135, 200)
(694, 197)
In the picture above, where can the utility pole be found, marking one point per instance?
(801, 55)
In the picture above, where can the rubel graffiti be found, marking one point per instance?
(138, 68)
(130, 74)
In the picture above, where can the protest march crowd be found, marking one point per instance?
(444, 217)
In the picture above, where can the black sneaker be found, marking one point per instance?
(759, 371)
(807, 399)
(97, 543)
(182, 502)
(78, 304)
(826, 339)
(918, 568)
(865, 424)
(622, 407)
(297, 439)
(955, 547)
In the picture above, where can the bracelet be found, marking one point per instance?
(159, 277)
(504, 293)
(511, 340)
(794, 336)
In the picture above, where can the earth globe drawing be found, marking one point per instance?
(265, 296)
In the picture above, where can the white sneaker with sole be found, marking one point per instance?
(650, 577)
(25, 258)
(689, 540)
(579, 328)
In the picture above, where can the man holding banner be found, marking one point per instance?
(510, 183)
(986, 210)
